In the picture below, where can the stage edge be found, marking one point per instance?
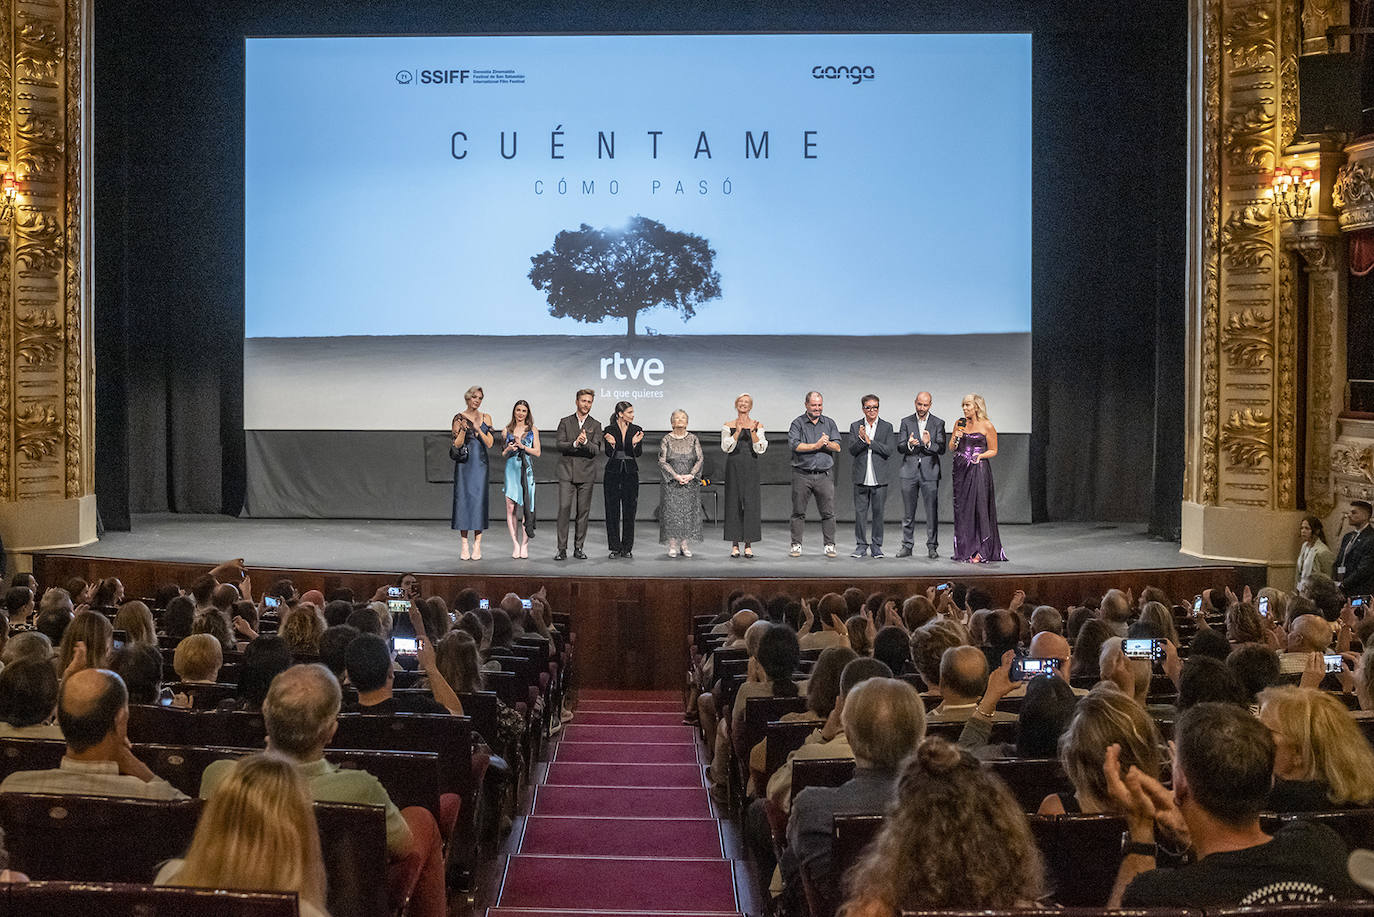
(1253, 536)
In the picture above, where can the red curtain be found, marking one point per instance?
(1362, 252)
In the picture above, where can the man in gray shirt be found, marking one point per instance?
(814, 440)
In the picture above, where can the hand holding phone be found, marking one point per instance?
(1143, 648)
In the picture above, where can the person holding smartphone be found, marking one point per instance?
(620, 484)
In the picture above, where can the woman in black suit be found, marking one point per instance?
(621, 484)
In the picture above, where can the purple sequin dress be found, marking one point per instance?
(975, 504)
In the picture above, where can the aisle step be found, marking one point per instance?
(675, 735)
(677, 885)
(625, 753)
(634, 837)
(629, 718)
(601, 912)
(576, 773)
(613, 694)
(615, 801)
(618, 706)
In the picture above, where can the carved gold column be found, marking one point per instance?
(46, 366)
(1352, 454)
(1240, 487)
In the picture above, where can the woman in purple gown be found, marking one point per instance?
(975, 502)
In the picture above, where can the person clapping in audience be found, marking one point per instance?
(1222, 772)
(954, 838)
(1321, 760)
(257, 832)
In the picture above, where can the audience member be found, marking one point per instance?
(257, 832)
(917, 611)
(1159, 615)
(955, 838)
(1132, 676)
(264, 659)
(892, 647)
(136, 621)
(1087, 649)
(1255, 667)
(1321, 759)
(93, 711)
(86, 643)
(1045, 714)
(1107, 716)
(140, 667)
(301, 628)
(333, 646)
(1209, 642)
(370, 669)
(28, 700)
(1046, 618)
(963, 679)
(928, 646)
(1222, 771)
(885, 721)
(1116, 611)
(20, 604)
(301, 712)
(1205, 679)
(179, 617)
(1307, 634)
(27, 644)
(216, 624)
(198, 659)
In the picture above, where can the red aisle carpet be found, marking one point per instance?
(622, 824)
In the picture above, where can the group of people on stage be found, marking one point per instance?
(909, 455)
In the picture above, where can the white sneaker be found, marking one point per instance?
(830, 550)
(795, 551)
(686, 551)
(672, 552)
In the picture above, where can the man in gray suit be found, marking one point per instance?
(921, 440)
(873, 445)
(579, 441)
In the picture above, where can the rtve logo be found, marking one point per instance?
(855, 74)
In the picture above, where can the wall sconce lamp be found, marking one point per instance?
(9, 195)
(1293, 191)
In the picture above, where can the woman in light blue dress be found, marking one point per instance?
(470, 512)
(521, 449)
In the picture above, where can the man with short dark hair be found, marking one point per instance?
(1353, 568)
(93, 711)
(1223, 769)
(333, 647)
(368, 662)
(873, 444)
(578, 437)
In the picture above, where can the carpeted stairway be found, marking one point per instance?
(622, 823)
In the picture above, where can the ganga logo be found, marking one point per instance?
(855, 74)
(404, 76)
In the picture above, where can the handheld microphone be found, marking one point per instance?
(962, 422)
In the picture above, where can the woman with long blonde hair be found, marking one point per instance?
(1107, 716)
(257, 832)
(974, 441)
(1321, 759)
(136, 621)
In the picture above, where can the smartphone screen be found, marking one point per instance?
(484, 604)
(1333, 662)
(271, 601)
(405, 646)
(526, 604)
(1264, 605)
(1031, 666)
(395, 592)
(1143, 648)
(942, 587)
(397, 608)
(1197, 604)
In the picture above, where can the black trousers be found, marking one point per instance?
(622, 499)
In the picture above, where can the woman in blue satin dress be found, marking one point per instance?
(471, 428)
(521, 449)
(976, 539)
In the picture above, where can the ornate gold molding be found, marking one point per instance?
(1352, 193)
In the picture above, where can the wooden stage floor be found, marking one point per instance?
(631, 616)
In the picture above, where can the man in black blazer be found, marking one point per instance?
(873, 445)
(1354, 565)
(579, 441)
(921, 441)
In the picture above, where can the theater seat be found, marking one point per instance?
(82, 899)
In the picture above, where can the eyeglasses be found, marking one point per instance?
(870, 407)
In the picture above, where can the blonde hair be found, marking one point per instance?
(1364, 680)
(136, 621)
(744, 395)
(1325, 739)
(302, 628)
(93, 629)
(980, 407)
(1107, 716)
(473, 390)
(1159, 615)
(258, 831)
(198, 658)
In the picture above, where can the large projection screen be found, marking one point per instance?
(665, 219)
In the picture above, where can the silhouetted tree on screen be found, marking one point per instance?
(594, 274)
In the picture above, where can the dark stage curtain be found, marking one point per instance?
(1109, 225)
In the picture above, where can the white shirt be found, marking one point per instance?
(870, 479)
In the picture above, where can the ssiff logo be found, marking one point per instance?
(404, 76)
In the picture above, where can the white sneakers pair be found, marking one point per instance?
(795, 551)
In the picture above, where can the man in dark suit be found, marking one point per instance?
(873, 445)
(1354, 566)
(921, 440)
(579, 441)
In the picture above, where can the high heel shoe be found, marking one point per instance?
(465, 554)
(525, 551)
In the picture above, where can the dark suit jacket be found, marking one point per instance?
(578, 463)
(883, 446)
(1356, 554)
(923, 462)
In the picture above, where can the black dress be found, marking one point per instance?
(742, 497)
(620, 486)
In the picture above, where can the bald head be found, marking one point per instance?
(301, 709)
(89, 707)
(1309, 634)
(963, 674)
(1049, 645)
(741, 621)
